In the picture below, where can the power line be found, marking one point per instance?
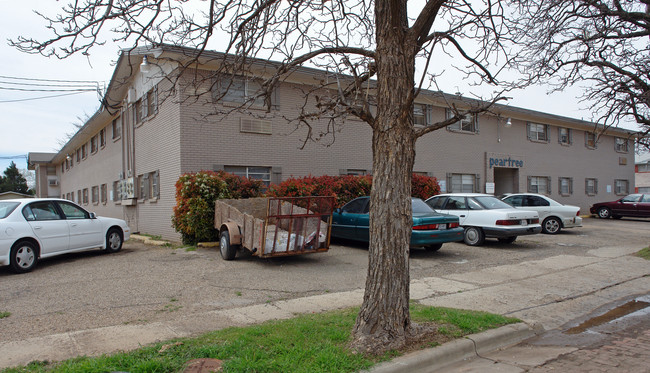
(50, 80)
(67, 85)
(13, 157)
(51, 90)
(41, 98)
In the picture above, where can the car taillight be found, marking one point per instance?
(508, 222)
(578, 213)
(453, 225)
(428, 227)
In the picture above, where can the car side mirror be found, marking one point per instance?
(338, 210)
(93, 215)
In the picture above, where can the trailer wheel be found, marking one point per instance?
(228, 251)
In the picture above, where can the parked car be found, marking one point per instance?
(637, 205)
(35, 228)
(485, 216)
(553, 214)
(430, 229)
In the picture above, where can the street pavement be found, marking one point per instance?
(551, 293)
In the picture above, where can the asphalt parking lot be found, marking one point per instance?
(143, 284)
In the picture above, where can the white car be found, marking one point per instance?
(553, 214)
(34, 228)
(485, 216)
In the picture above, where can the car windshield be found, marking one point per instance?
(491, 203)
(7, 208)
(420, 207)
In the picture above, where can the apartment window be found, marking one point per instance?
(85, 196)
(620, 144)
(116, 192)
(621, 187)
(469, 123)
(142, 187)
(102, 137)
(93, 144)
(591, 186)
(95, 195)
(564, 136)
(79, 200)
(590, 140)
(152, 102)
(154, 185)
(253, 172)
(67, 164)
(539, 184)
(421, 114)
(238, 89)
(462, 183)
(643, 167)
(104, 193)
(78, 155)
(137, 112)
(71, 196)
(538, 132)
(84, 151)
(116, 127)
(565, 186)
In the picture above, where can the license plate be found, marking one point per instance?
(442, 226)
(524, 222)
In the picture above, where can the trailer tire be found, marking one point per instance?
(228, 251)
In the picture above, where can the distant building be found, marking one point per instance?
(14, 195)
(642, 174)
(125, 160)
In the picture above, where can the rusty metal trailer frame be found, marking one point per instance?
(272, 227)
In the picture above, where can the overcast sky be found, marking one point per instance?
(36, 121)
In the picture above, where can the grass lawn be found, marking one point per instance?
(644, 253)
(306, 343)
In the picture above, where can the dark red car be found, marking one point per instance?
(632, 205)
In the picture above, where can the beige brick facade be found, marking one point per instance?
(183, 137)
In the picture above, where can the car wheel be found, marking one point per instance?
(604, 213)
(507, 239)
(551, 226)
(474, 236)
(434, 247)
(114, 240)
(24, 256)
(228, 251)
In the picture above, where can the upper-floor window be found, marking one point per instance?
(643, 167)
(591, 186)
(93, 144)
(102, 137)
(538, 132)
(590, 140)
(564, 136)
(241, 90)
(150, 99)
(620, 144)
(421, 114)
(117, 127)
(84, 151)
(539, 184)
(468, 123)
(78, 155)
(137, 112)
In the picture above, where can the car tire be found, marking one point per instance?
(551, 225)
(228, 251)
(507, 239)
(604, 213)
(474, 236)
(114, 240)
(433, 248)
(24, 256)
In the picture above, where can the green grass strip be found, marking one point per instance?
(644, 253)
(307, 343)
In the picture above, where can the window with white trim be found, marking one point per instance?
(468, 123)
(421, 114)
(240, 90)
(462, 183)
(104, 193)
(539, 184)
(252, 172)
(85, 196)
(117, 128)
(645, 167)
(590, 140)
(93, 145)
(621, 187)
(565, 186)
(564, 136)
(591, 186)
(538, 132)
(95, 194)
(620, 144)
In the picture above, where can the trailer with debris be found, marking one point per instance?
(272, 227)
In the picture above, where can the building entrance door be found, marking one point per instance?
(506, 180)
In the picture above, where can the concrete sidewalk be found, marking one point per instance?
(544, 293)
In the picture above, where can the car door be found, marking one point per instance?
(84, 231)
(456, 205)
(539, 204)
(345, 220)
(48, 226)
(627, 206)
(644, 206)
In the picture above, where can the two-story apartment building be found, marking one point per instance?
(124, 162)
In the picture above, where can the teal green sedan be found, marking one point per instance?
(430, 229)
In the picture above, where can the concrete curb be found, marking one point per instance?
(148, 241)
(473, 345)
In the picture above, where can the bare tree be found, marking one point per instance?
(601, 45)
(370, 49)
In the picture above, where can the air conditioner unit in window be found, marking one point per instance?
(53, 182)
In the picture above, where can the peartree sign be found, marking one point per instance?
(505, 162)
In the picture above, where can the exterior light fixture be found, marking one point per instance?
(145, 67)
(68, 157)
(509, 122)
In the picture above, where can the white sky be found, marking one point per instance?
(39, 124)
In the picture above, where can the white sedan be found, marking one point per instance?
(553, 214)
(485, 216)
(35, 228)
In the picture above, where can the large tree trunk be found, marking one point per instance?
(384, 321)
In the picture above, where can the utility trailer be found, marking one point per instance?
(272, 227)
